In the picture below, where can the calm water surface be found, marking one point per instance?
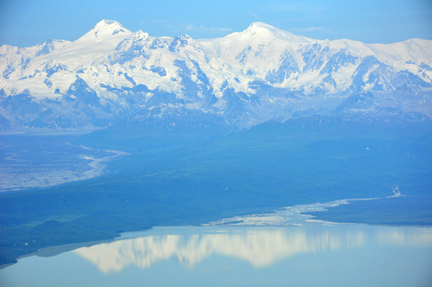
(341, 255)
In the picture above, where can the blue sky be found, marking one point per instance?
(27, 22)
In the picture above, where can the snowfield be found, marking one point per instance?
(110, 73)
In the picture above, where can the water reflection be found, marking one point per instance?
(260, 247)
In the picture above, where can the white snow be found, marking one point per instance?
(237, 59)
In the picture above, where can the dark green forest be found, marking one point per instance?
(177, 178)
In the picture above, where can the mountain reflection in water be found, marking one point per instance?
(260, 247)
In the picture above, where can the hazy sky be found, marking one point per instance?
(28, 22)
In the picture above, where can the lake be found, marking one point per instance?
(317, 255)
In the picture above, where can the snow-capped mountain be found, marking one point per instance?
(243, 79)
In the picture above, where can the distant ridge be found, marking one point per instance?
(244, 79)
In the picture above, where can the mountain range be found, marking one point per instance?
(113, 76)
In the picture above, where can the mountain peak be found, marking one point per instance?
(140, 34)
(50, 45)
(180, 41)
(107, 23)
(109, 27)
(266, 31)
(104, 29)
(263, 27)
(258, 25)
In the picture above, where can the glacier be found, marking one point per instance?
(111, 75)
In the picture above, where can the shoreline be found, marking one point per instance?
(96, 165)
(307, 213)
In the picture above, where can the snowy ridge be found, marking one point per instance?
(246, 78)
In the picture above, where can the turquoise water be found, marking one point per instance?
(340, 255)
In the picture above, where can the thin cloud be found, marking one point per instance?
(295, 7)
(254, 15)
(202, 28)
(310, 29)
(159, 20)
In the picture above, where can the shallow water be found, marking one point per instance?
(340, 255)
(297, 215)
(37, 160)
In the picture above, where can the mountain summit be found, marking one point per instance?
(262, 73)
(260, 29)
(105, 28)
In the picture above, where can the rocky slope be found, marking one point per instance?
(111, 74)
